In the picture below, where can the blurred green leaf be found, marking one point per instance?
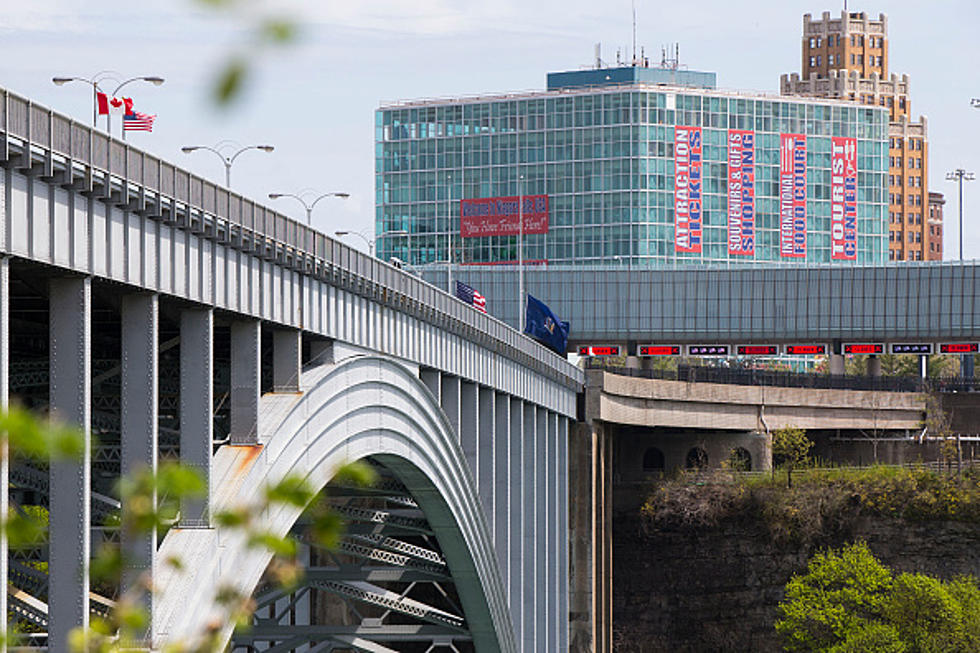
(177, 481)
(281, 546)
(106, 566)
(326, 529)
(236, 518)
(230, 81)
(358, 474)
(292, 490)
(24, 531)
(278, 30)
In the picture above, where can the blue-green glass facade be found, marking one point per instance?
(604, 156)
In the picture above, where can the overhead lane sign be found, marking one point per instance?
(806, 350)
(659, 350)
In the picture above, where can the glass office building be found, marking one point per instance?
(600, 144)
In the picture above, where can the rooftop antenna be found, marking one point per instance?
(634, 32)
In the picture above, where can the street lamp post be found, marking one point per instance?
(520, 247)
(93, 82)
(156, 81)
(960, 175)
(227, 160)
(308, 207)
(449, 227)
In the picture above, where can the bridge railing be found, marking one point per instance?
(89, 159)
(738, 376)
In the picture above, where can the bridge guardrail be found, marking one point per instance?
(177, 196)
(736, 376)
(740, 376)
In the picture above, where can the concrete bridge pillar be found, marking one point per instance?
(515, 566)
(449, 390)
(528, 510)
(469, 419)
(589, 530)
(245, 381)
(4, 403)
(432, 379)
(287, 354)
(139, 401)
(874, 366)
(501, 485)
(837, 364)
(486, 435)
(70, 316)
(196, 408)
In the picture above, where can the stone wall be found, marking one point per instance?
(716, 589)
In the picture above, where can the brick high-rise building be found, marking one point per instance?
(936, 202)
(846, 57)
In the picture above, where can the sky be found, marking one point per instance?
(315, 99)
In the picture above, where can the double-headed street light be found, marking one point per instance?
(960, 175)
(308, 206)
(94, 83)
(156, 81)
(975, 103)
(226, 159)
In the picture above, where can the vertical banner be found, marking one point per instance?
(792, 195)
(687, 189)
(843, 199)
(741, 192)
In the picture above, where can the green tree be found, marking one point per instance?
(842, 593)
(848, 602)
(792, 445)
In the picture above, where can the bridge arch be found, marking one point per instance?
(364, 406)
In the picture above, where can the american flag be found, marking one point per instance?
(470, 296)
(136, 121)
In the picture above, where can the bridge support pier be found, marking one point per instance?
(501, 486)
(196, 408)
(70, 316)
(837, 364)
(515, 510)
(245, 381)
(287, 352)
(4, 402)
(140, 344)
(874, 366)
(590, 534)
(486, 431)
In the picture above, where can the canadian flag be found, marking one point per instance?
(114, 105)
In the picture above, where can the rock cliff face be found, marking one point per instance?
(716, 589)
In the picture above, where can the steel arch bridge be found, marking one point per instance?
(175, 319)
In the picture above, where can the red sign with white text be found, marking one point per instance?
(500, 216)
(792, 195)
(687, 189)
(843, 199)
(741, 192)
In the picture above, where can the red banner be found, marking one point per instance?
(687, 189)
(843, 199)
(792, 195)
(741, 192)
(499, 216)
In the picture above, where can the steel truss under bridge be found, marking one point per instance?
(385, 588)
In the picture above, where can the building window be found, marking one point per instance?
(830, 60)
(653, 460)
(860, 59)
(813, 62)
(818, 59)
(891, 255)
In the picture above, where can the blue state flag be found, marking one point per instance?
(545, 327)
